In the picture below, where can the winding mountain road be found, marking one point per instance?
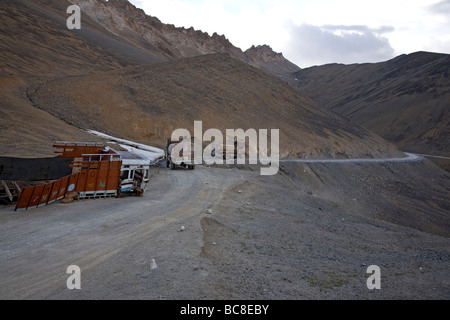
(411, 157)
(225, 212)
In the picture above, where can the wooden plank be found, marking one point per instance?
(16, 186)
(91, 182)
(54, 191)
(102, 176)
(24, 198)
(35, 197)
(81, 183)
(67, 150)
(63, 188)
(45, 194)
(113, 175)
(5, 186)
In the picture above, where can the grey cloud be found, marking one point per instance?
(359, 28)
(314, 45)
(442, 7)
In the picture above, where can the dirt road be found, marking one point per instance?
(410, 157)
(38, 245)
(310, 232)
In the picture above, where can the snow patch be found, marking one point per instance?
(153, 154)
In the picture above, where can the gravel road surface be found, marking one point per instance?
(309, 232)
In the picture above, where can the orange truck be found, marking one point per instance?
(98, 171)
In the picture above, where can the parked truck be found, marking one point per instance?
(97, 172)
(185, 157)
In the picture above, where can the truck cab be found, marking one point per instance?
(185, 157)
(134, 174)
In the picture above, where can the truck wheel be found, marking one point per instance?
(167, 164)
(172, 165)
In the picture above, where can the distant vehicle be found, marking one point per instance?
(229, 151)
(185, 158)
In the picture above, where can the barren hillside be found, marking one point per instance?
(406, 100)
(37, 47)
(148, 102)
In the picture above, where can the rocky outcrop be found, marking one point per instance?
(124, 20)
(265, 58)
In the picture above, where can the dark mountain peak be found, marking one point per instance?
(167, 42)
(264, 57)
(122, 4)
(264, 52)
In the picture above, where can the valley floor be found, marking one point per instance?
(309, 232)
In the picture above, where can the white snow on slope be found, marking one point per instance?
(148, 152)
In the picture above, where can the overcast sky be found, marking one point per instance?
(315, 32)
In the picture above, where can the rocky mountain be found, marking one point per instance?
(406, 100)
(123, 20)
(128, 74)
(165, 41)
(113, 34)
(147, 102)
(265, 58)
(309, 232)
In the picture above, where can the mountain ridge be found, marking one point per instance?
(168, 42)
(148, 102)
(405, 99)
(115, 35)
